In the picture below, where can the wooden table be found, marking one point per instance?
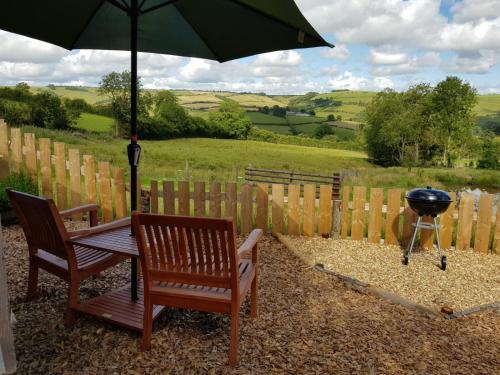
(123, 306)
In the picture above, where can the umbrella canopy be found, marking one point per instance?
(219, 30)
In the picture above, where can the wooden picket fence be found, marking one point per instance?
(72, 179)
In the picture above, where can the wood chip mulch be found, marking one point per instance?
(308, 324)
(470, 279)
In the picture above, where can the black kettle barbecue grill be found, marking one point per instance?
(430, 202)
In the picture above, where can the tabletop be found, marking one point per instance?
(118, 241)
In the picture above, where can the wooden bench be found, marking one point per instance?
(271, 176)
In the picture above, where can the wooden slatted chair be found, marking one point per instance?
(193, 263)
(47, 237)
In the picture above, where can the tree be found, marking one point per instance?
(323, 130)
(330, 117)
(231, 121)
(48, 112)
(490, 153)
(452, 103)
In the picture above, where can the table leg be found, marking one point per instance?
(133, 281)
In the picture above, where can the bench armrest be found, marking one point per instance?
(90, 208)
(99, 228)
(249, 244)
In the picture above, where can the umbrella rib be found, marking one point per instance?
(118, 5)
(199, 35)
(319, 39)
(87, 22)
(158, 6)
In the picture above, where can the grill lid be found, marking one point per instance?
(428, 195)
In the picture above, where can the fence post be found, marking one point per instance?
(199, 199)
(7, 350)
(392, 217)
(464, 228)
(309, 210)
(277, 212)
(90, 178)
(325, 210)
(105, 190)
(337, 219)
(183, 189)
(16, 148)
(262, 198)
(61, 182)
(446, 224)
(358, 213)
(483, 227)
(345, 211)
(4, 150)
(246, 209)
(231, 203)
(74, 177)
(45, 167)
(294, 210)
(215, 207)
(120, 196)
(168, 198)
(154, 196)
(30, 156)
(496, 238)
(375, 215)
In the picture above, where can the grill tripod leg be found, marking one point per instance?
(412, 242)
(441, 257)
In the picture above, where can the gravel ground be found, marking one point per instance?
(308, 323)
(470, 279)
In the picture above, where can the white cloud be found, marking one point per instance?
(17, 48)
(473, 10)
(340, 52)
(348, 81)
(479, 63)
(387, 58)
(278, 58)
(198, 70)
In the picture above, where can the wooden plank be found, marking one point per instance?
(337, 219)
(345, 211)
(277, 208)
(30, 154)
(183, 188)
(262, 199)
(61, 181)
(358, 213)
(4, 150)
(483, 227)
(119, 193)
(168, 198)
(375, 215)
(231, 203)
(246, 209)
(16, 148)
(409, 217)
(199, 199)
(294, 210)
(392, 217)
(105, 191)
(7, 349)
(496, 237)
(139, 195)
(446, 220)
(427, 235)
(75, 178)
(215, 199)
(309, 210)
(325, 210)
(464, 228)
(90, 178)
(154, 196)
(45, 167)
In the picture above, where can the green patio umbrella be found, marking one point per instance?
(219, 30)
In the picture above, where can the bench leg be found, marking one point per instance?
(147, 325)
(70, 318)
(235, 320)
(32, 282)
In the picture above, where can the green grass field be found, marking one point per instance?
(297, 120)
(262, 118)
(89, 94)
(95, 123)
(280, 129)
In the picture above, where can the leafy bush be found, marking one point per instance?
(17, 181)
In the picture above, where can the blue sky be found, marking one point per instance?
(379, 44)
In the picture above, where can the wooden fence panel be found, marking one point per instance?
(392, 217)
(262, 200)
(427, 235)
(294, 210)
(119, 193)
(446, 220)
(154, 196)
(278, 205)
(16, 148)
(199, 199)
(90, 178)
(4, 150)
(183, 189)
(231, 203)
(309, 210)
(168, 198)
(325, 210)
(215, 200)
(410, 217)
(61, 181)
(30, 154)
(483, 228)
(464, 229)
(496, 237)
(105, 191)
(75, 178)
(45, 167)
(375, 215)
(345, 211)
(139, 194)
(358, 213)
(246, 209)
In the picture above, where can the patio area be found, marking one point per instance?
(308, 323)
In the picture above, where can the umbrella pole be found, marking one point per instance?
(133, 149)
